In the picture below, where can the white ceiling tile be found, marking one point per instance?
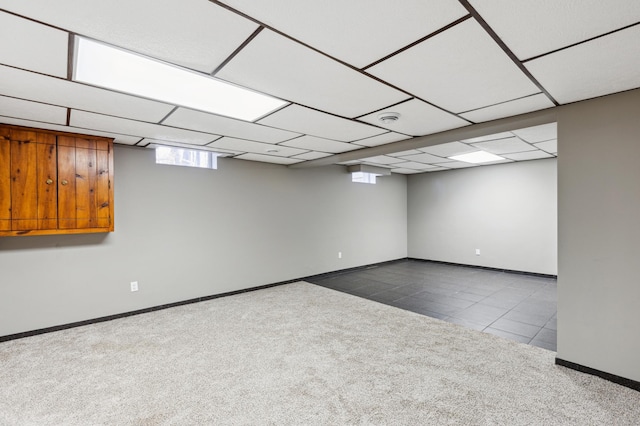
(201, 121)
(531, 28)
(459, 70)
(88, 120)
(193, 33)
(458, 165)
(494, 136)
(382, 139)
(312, 155)
(382, 159)
(549, 146)
(425, 158)
(152, 143)
(413, 165)
(350, 31)
(41, 88)
(510, 108)
(437, 169)
(119, 139)
(299, 119)
(256, 147)
(449, 149)
(283, 68)
(403, 153)
(504, 146)
(29, 45)
(268, 159)
(19, 108)
(489, 163)
(417, 118)
(541, 133)
(405, 171)
(606, 65)
(313, 143)
(532, 155)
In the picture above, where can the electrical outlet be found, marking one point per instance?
(339, 255)
(134, 285)
(477, 252)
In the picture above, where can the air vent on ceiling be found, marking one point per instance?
(388, 117)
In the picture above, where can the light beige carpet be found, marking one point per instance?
(295, 354)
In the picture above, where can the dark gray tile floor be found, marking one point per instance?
(514, 306)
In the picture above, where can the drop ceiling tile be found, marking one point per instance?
(41, 88)
(536, 27)
(201, 121)
(417, 118)
(437, 169)
(549, 146)
(606, 65)
(19, 108)
(268, 159)
(532, 155)
(313, 143)
(29, 45)
(311, 155)
(266, 149)
(382, 139)
(504, 146)
(541, 133)
(283, 68)
(193, 33)
(89, 120)
(119, 139)
(425, 158)
(458, 165)
(510, 108)
(300, 119)
(459, 70)
(405, 171)
(152, 143)
(403, 153)
(413, 166)
(350, 31)
(449, 149)
(382, 159)
(492, 137)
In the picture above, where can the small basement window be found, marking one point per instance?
(186, 157)
(364, 177)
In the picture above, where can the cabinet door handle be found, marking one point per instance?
(64, 182)
(49, 181)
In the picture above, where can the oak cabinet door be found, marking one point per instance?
(84, 183)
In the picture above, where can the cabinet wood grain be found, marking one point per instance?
(54, 183)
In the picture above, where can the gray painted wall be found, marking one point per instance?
(599, 234)
(184, 233)
(507, 211)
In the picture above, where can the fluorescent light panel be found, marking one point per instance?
(477, 157)
(106, 66)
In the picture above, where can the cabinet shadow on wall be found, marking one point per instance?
(40, 242)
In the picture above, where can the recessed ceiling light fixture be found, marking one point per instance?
(477, 157)
(99, 64)
(388, 117)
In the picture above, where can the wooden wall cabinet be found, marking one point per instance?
(54, 183)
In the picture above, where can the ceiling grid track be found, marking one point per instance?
(506, 49)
